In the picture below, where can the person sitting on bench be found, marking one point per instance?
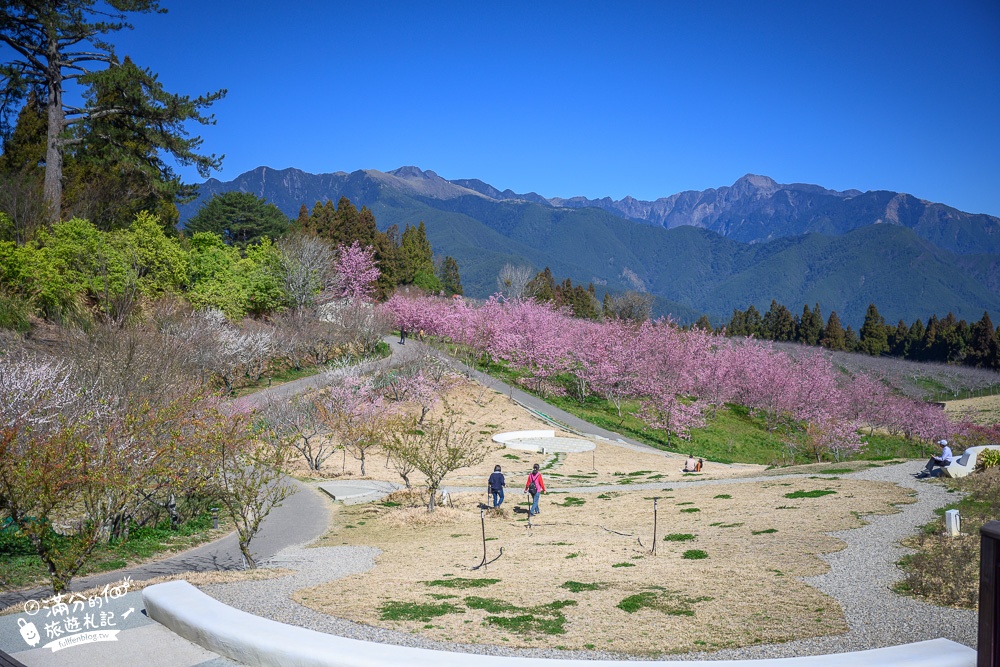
(942, 461)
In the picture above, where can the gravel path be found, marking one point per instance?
(860, 578)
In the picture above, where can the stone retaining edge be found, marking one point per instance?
(260, 642)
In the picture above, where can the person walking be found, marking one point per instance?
(402, 335)
(496, 484)
(535, 486)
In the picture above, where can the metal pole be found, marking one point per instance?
(989, 601)
(655, 501)
(482, 519)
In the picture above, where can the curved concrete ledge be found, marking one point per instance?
(260, 642)
(503, 438)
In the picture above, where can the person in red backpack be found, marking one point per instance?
(535, 486)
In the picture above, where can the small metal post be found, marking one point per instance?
(215, 517)
(482, 519)
(989, 601)
(655, 501)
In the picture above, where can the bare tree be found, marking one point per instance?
(634, 306)
(437, 449)
(255, 348)
(248, 477)
(357, 323)
(356, 413)
(296, 421)
(308, 263)
(21, 199)
(512, 281)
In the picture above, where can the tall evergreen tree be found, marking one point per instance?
(542, 287)
(851, 339)
(778, 323)
(984, 348)
(810, 326)
(899, 339)
(874, 340)
(241, 218)
(450, 278)
(417, 256)
(61, 42)
(752, 322)
(833, 335)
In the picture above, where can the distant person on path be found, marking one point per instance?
(942, 461)
(402, 335)
(691, 465)
(535, 486)
(701, 463)
(496, 484)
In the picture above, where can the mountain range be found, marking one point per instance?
(697, 252)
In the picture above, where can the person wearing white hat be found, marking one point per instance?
(942, 461)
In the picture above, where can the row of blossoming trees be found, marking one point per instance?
(678, 378)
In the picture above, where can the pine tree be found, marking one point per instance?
(543, 286)
(810, 326)
(833, 335)
(899, 340)
(874, 340)
(850, 339)
(984, 347)
(58, 43)
(417, 259)
(450, 278)
(752, 322)
(778, 323)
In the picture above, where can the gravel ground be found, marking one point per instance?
(860, 578)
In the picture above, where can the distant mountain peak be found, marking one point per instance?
(758, 181)
(410, 172)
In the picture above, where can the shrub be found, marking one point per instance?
(988, 458)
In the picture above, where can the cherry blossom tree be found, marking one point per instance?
(356, 271)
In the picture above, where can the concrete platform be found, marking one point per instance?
(353, 491)
(543, 441)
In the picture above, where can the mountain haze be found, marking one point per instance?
(696, 252)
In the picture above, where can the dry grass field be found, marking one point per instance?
(984, 410)
(726, 572)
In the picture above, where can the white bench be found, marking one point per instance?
(260, 642)
(966, 463)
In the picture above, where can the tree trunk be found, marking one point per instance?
(430, 503)
(53, 149)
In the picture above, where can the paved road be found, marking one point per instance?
(301, 518)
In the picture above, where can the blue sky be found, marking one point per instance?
(596, 98)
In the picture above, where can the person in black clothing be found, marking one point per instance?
(496, 484)
(402, 335)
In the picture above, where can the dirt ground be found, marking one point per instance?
(726, 572)
(582, 575)
(984, 410)
(488, 413)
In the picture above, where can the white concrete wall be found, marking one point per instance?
(260, 642)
